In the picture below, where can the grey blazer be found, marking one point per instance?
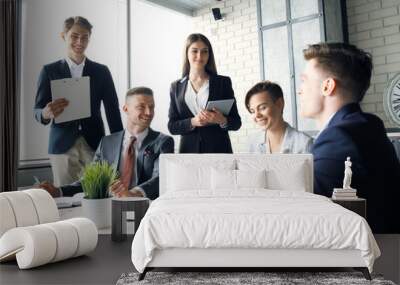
(293, 142)
(147, 176)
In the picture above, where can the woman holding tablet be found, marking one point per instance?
(202, 130)
(265, 102)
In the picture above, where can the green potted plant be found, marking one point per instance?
(96, 204)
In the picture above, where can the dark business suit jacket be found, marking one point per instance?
(208, 139)
(147, 175)
(63, 135)
(376, 170)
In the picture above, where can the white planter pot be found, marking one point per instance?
(98, 210)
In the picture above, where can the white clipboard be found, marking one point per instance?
(77, 92)
(224, 106)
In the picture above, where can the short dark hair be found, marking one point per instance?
(210, 67)
(273, 89)
(141, 90)
(350, 66)
(78, 20)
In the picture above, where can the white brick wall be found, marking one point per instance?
(236, 48)
(373, 26)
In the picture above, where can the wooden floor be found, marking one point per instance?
(389, 263)
(110, 259)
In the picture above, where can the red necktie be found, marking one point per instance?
(129, 163)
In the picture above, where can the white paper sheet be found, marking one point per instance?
(77, 92)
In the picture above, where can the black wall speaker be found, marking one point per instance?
(217, 14)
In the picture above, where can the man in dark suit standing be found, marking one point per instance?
(134, 152)
(334, 82)
(72, 144)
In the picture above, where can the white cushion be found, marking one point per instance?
(282, 172)
(251, 178)
(34, 244)
(189, 176)
(23, 208)
(87, 235)
(45, 206)
(7, 220)
(231, 180)
(66, 237)
(292, 179)
(223, 179)
(26, 208)
(183, 177)
(40, 244)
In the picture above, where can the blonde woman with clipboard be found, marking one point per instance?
(201, 130)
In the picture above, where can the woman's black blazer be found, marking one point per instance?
(207, 139)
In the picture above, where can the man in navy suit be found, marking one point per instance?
(334, 82)
(148, 145)
(72, 144)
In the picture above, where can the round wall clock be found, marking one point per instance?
(391, 99)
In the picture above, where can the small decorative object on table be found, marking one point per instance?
(120, 206)
(347, 196)
(346, 193)
(96, 205)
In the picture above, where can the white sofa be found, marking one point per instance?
(31, 233)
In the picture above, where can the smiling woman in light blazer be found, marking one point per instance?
(265, 103)
(201, 131)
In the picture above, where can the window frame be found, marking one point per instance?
(289, 23)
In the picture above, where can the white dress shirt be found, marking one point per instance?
(125, 144)
(75, 69)
(76, 72)
(197, 102)
(293, 142)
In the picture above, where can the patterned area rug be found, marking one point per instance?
(270, 278)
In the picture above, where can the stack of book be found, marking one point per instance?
(68, 202)
(344, 194)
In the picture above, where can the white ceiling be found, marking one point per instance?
(185, 6)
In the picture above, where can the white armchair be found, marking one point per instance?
(31, 232)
